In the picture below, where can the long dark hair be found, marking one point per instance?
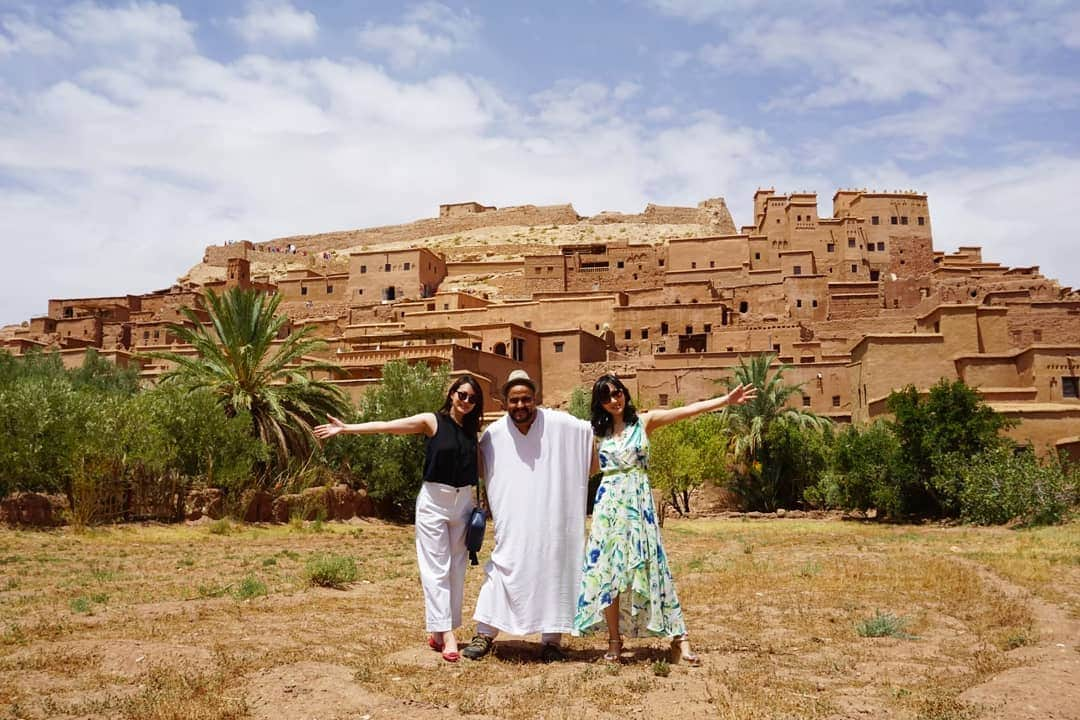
(601, 419)
(471, 422)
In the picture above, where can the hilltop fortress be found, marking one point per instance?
(859, 303)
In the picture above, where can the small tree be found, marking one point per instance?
(863, 471)
(759, 481)
(682, 456)
(937, 436)
(580, 404)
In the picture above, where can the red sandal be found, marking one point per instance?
(434, 644)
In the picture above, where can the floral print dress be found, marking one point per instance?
(624, 556)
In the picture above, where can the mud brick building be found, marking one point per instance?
(859, 302)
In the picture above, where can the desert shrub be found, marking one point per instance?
(883, 624)
(1000, 485)
(249, 587)
(330, 570)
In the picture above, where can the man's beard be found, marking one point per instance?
(522, 416)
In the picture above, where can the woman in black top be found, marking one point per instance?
(444, 502)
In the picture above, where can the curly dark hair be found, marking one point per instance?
(471, 421)
(601, 419)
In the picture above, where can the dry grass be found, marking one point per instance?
(168, 625)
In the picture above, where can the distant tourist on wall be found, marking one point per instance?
(536, 475)
(444, 503)
(626, 583)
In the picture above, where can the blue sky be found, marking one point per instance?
(133, 134)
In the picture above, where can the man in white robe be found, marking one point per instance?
(536, 473)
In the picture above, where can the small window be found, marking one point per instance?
(663, 328)
(813, 303)
(157, 334)
(798, 218)
(303, 290)
(477, 346)
(446, 306)
(386, 267)
(855, 268)
(1070, 387)
(663, 399)
(407, 266)
(903, 219)
(712, 263)
(744, 306)
(922, 220)
(881, 246)
(551, 268)
(693, 265)
(798, 303)
(806, 359)
(874, 274)
(69, 312)
(626, 334)
(689, 329)
(363, 269)
(359, 291)
(559, 346)
(431, 307)
(329, 289)
(893, 220)
(1036, 335)
(619, 264)
(806, 401)
(836, 401)
(708, 327)
(661, 262)
(776, 347)
(145, 335)
(797, 269)
(875, 220)
(539, 270)
(831, 247)
(644, 333)
(851, 242)
(757, 256)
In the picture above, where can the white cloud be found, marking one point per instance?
(275, 21)
(21, 36)
(427, 31)
(118, 176)
(140, 32)
(1013, 211)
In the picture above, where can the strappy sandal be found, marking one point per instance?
(679, 653)
(614, 651)
(436, 645)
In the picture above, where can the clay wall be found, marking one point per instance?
(881, 364)
(757, 338)
(1043, 323)
(650, 328)
(708, 252)
(502, 339)
(310, 286)
(806, 297)
(590, 313)
(395, 275)
(1040, 427)
(84, 328)
(562, 354)
(108, 308)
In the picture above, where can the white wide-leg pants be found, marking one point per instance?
(442, 515)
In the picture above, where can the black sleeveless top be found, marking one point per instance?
(450, 454)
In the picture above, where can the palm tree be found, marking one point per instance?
(238, 361)
(757, 480)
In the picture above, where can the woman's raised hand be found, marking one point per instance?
(741, 394)
(330, 429)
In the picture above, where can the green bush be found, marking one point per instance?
(392, 465)
(330, 570)
(684, 455)
(250, 587)
(883, 624)
(1002, 485)
(863, 471)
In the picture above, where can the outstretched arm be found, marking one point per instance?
(413, 425)
(655, 419)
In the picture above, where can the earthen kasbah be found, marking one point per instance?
(859, 304)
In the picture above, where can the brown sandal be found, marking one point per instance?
(614, 651)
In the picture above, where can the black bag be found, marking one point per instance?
(474, 533)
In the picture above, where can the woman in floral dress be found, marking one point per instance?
(626, 583)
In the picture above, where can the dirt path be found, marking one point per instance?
(1047, 683)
